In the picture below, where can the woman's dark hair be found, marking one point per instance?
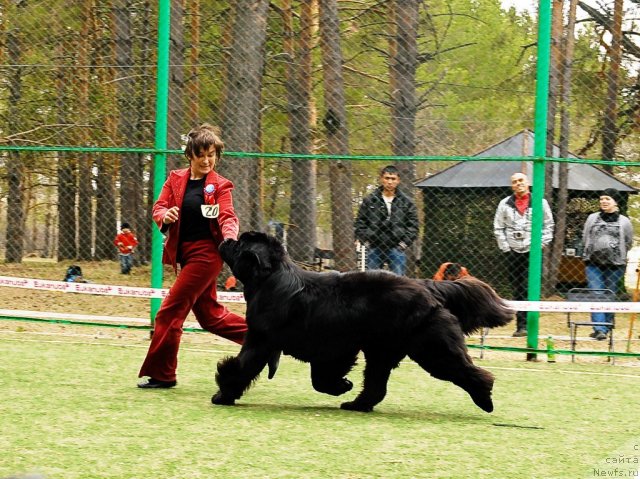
(201, 138)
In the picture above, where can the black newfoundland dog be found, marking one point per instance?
(326, 319)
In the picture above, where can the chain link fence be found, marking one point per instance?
(313, 98)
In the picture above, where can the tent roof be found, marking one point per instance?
(497, 174)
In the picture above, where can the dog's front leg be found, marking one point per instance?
(236, 374)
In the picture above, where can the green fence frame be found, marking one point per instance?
(539, 160)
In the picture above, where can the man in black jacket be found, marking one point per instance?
(387, 223)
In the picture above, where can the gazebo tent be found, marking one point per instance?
(460, 203)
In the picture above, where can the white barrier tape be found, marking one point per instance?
(575, 306)
(102, 289)
(18, 313)
(236, 297)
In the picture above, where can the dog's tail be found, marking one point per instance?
(473, 302)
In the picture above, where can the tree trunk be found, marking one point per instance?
(47, 248)
(609, 124)
(403, 65)
(144, 109)
(66, 172)
(131, 108)
(106, 222)
(85, 174)
(301, 238)
(242, 104)
(105, 215)
(192, 110)
(15, 174)
(335, 123)
(562, 198)
(4, 9)
(550, 262)
(552, 102)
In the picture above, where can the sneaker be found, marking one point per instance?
(518, 333)
(600, 336)
(156, 384)
(593, 334)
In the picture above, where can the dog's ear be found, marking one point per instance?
(246, 265)
(249, 265)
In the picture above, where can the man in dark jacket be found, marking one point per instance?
(387, 223)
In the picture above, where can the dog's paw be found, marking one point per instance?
(484, 402)
(346, 386)
(220, 400)
(355, 406)
(337, 388)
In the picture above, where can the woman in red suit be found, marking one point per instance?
(195, 212)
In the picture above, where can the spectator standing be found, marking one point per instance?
(126, 242)
(387, 223)
(195, 212)
(607, 236)
(512, 229)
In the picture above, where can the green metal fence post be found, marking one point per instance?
(540, 127)
(160, 159)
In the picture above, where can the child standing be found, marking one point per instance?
(126, 241)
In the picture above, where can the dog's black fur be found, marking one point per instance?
(326, 319)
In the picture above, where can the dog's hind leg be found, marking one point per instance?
(440, 350)
(329, 376)
(376, 375)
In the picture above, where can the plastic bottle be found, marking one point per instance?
(551, 356)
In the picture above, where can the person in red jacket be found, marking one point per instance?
(195, 212)
(126, 242)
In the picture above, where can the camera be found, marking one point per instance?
(518, 235)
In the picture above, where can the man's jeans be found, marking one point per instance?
(518, 266)
(603, 277)
(394, 257)
(126, 263)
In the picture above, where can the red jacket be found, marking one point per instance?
(225, 226)
(126, 242)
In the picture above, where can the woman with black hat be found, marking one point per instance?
(607, 237)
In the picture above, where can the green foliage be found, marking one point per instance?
(475, 82)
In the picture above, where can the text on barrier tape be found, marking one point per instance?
(102, 289)
(237, 297)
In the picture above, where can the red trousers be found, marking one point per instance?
(194, 289)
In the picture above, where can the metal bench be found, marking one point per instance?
(589, 295)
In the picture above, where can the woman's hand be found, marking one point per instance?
(171, 216)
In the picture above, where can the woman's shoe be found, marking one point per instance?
(156, 384)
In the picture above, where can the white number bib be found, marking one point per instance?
(210, 211)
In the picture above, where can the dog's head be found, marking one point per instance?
(253, 257)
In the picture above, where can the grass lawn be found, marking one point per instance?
(70, 409)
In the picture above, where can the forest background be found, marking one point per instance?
(438, 81)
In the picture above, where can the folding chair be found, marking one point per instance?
(589, 295)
